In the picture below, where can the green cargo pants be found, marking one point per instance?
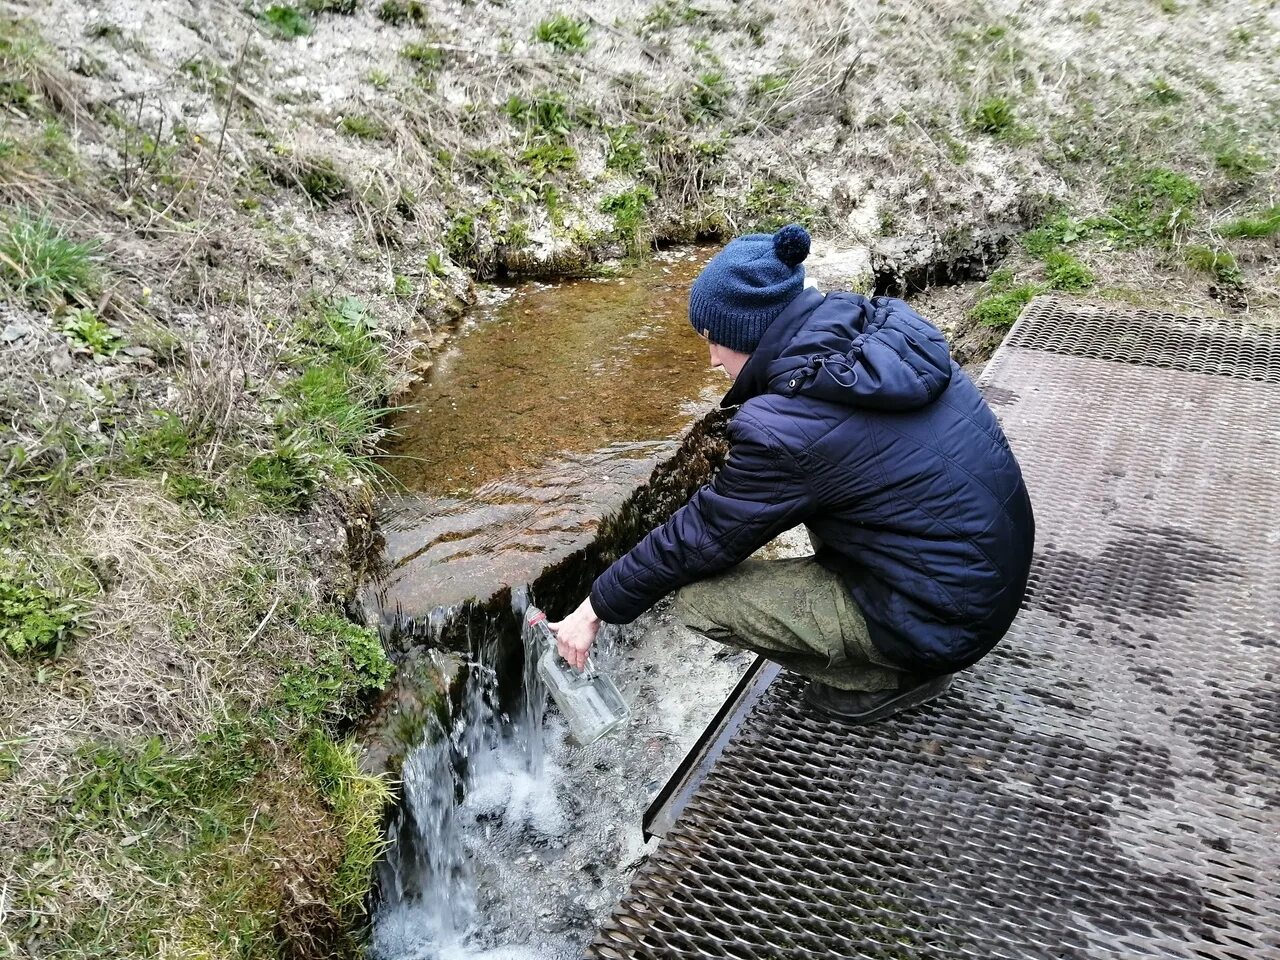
(794, 612)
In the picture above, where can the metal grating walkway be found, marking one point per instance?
(1107, 782)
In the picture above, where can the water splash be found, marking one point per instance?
(513, 842)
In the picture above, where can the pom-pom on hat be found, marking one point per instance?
(746, 285)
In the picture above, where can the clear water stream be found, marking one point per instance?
(554, 404)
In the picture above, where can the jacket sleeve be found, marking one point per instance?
(757, 494)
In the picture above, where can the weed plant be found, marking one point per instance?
(363, 127)
(42, 265)
(286, 22)
(37, 619)
(563, 33)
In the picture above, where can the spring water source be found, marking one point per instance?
(553, 404)
(515, 843)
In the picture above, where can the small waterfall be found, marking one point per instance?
(481, 774)
(513, 842)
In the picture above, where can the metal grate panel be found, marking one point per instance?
(1225, 346)
(1106, 783)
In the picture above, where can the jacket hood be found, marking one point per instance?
(844, 348)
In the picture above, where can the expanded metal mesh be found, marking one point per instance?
(1106, 783)
(1225, 346)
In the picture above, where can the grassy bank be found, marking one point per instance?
(180, 494)
(229, 236)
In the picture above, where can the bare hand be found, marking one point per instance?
(576, 633)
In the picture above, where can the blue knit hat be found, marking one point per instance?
(746, 285)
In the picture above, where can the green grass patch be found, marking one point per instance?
(1238, 160)
(21, 56)
(666, 14)
(425, 57)
(329, 413)
(1265, 223)
(708, 98)
(1163, 93)
(545, 114)
(1057, 231)
(188, 838)
(547, 158)
(42, 265)
(165, 443)
(285, 22)
(1158, 207)
(563, 33)
(401, 12)
(202, 494)
(357, 801)
(629, 212)
(343, 330)
(334, 404)
(316, 177)
(363, 127)
(1003, 299)
(39, 618)
(146, 782)
(774, 202)
(287, 476)
(1064, 272)
(342, 7)
(1221, 264)
(996, 117)
(350, 664)
(462, 238)
(625, 152)
(164, 448)
(211, 840)
(332, 409)
(38, 475)
(769, 85)
(321, 182)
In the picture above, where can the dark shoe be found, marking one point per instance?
(856, 707)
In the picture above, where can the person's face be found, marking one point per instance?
(730, 361)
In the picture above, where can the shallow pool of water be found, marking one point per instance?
(542, 370)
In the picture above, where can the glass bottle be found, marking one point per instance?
(589, 700)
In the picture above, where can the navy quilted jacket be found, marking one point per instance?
(855, 421)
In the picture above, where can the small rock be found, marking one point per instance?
(138, 352)
(14, 331)
(60, 359)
